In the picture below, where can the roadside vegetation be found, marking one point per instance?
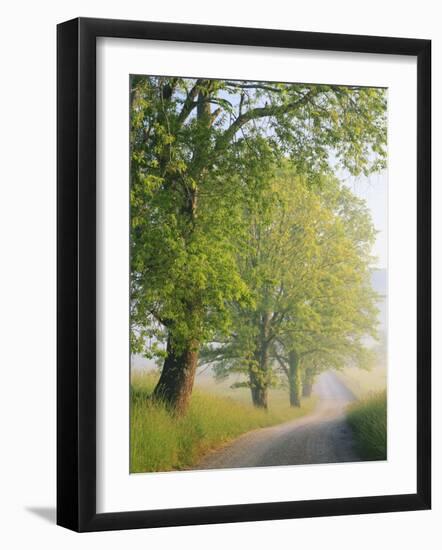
(368, 419)
(368, 415)
(163, 441)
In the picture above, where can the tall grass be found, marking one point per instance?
(162, 442)
(368, 419)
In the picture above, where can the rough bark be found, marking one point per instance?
(174, 388)
(307, 382)
(295, 380)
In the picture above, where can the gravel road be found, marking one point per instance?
(321, 437)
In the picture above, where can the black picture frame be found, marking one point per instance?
(76, 274)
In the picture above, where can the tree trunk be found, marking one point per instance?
(295, 381)
(307, 382)
(174, 388)
(258, 377)
(259, 371)
(258, 389)
(259, 397)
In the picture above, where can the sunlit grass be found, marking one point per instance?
(162, 442)
(362, 382)
(368, 419)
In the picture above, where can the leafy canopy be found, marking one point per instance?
(202, 153)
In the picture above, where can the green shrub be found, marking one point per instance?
(368, 419)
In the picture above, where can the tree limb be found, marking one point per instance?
(189, 103)
(254, 87)
(255, 113)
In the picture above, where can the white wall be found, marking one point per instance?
(27, 290)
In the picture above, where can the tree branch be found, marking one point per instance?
(189, 103)
(258, 112)
(254, 87)
(282, 363)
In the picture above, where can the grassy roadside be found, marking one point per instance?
(368, 419)
(160, 442)
(368, 415)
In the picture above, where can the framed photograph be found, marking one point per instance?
(243, 274)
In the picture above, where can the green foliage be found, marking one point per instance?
(368, 419)
(203, 154)
(161, 441)
(307, 264)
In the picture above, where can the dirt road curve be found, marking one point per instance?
(320, 437)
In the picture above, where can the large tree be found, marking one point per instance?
(342, 311)
(277, 263)
(199, 152)
(308, 267)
